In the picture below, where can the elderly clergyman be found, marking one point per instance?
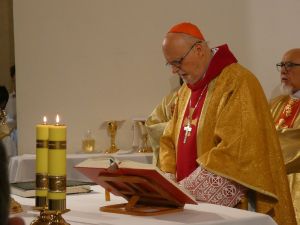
(221, 143)
(286, 112)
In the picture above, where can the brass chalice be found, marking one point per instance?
(144, 148)
(112, 127)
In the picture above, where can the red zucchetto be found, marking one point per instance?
(187, 28)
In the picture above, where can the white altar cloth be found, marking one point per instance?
(85, 211)
(22, 168)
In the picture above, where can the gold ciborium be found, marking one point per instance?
(144, 147)
(112, 127)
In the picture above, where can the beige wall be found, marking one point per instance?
(92, 61)
(272, 29)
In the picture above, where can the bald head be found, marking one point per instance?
(175, 43)
(188, 55)
(293, 54)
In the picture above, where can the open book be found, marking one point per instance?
(139, 183)
(27, 189)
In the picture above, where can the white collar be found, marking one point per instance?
(296, 94)
(214, 50)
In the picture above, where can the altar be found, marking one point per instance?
(85, 211)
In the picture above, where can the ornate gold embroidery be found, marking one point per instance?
(287, 112)
(288, 108)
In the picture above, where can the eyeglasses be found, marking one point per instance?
(177, 63)
(286, 65)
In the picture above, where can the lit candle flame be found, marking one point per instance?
(44, 120)
(57, 119)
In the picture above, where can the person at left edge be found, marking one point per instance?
(5, 193)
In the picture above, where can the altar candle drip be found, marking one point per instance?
(41, 166)
(57, 166)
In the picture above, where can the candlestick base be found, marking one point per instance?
(57, 219)
(50, 217)
(43, 218)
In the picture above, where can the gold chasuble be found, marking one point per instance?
(285, 111)
(157, 121)
(235, 138)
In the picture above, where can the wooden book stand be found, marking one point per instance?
(145, 198)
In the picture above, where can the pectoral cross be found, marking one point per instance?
(188, 130)
(188, 124)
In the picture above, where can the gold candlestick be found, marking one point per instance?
(112, 127)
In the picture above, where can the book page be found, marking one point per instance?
(98, 162)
